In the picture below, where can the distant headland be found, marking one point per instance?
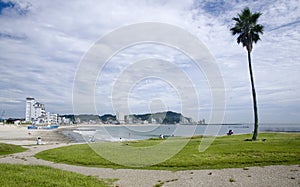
(36, 114)
(168, 117)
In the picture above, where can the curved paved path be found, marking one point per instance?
(254, 176)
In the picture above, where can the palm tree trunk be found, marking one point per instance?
(255, 132)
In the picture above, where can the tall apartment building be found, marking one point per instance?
(29, 115)
(34, 110)
(39, 110)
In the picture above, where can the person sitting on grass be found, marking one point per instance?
(230, 132)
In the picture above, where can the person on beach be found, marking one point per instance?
(39, 140)
(91, 138)
(230, 132)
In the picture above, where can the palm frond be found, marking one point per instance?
(254, 17)
(246, 28)
(255, 38)
(236, 19)
(258, 28)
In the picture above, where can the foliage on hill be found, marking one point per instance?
(168, 117)
(160, 117)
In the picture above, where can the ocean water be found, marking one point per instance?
(141, 132)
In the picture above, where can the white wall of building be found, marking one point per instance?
(120, 117)
(39, 110)
(29, 109)
(35, 112)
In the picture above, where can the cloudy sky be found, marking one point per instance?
(43, 43)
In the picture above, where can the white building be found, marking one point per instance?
(29, 115)
(153, 121)
(52, 118)
(64, 120)
(39, 110)
(35, 112)
(120, 117)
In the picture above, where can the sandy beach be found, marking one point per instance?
(20, 135)
(252, 176)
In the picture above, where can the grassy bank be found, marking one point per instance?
(225, 152)
(24, 175)
(6, 149)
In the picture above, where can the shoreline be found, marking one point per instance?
(20, 135)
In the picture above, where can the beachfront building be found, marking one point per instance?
(52, 118)
(39, 110)
(65, 121)
(29, 115)
(36, 113)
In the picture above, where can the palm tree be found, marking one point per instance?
(248, 31)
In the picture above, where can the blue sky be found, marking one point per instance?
(43, 42)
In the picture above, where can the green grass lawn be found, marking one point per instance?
(14, 175)
(225, 152)
(6, 149)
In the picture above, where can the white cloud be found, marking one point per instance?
(42, 43)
